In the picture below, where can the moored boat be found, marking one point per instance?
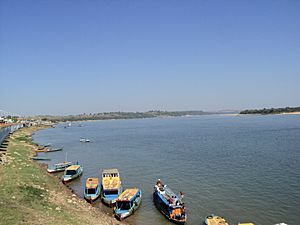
(92, 190)
(54, 149)
(41, 150)
(71, 173)
(40, 158)
(215, 220)
(127, 203)
(169, 204)
(111, 186)
(58, 167)
(84, 140)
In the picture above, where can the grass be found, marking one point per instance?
(30, 196)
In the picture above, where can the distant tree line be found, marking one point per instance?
(265, 111)
(123, 115)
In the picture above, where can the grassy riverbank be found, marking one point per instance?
(30, 196)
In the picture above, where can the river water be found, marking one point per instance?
(245, 168)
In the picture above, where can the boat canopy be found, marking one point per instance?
(110, 173)
(73, 167)
(127, 195)
(216, 220)
(92, 183)
(170, 197)
(62, 163)
(111, 179)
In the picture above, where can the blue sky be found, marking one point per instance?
(69, 57)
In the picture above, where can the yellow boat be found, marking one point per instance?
(111, 186)
(215, 220)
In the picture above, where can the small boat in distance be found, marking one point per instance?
(111, 186)
(58, 167)
(92, 190)
(47, 145)
(54, 149)
(127, 203)
(212, 220)
(169, 204)
(40, 158)
(84, 140)
(47, 149)
(71, 173)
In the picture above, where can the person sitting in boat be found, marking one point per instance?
(181, 195)
(159, 183)
(183, 210)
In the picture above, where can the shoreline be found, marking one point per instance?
(30, 195)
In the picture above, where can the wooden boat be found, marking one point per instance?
(169, 204)
(40, 158)
(127, 203)
(49, 149)
(58, 167)
(71, 173)
(92, 190)
(215, 220)
(41, 149)
(84, 140)
(54, 149)
(111, 186)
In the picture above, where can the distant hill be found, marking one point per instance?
(126, 115)
(271, 110)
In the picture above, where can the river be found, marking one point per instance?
(245, 168)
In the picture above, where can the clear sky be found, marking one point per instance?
(70, 57)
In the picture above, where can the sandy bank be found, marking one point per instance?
(29, 195)
(291, 113)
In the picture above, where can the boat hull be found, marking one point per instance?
(163, 208)
(92, 198)
(110, 200)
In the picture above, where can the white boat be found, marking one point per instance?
(71, 173)
(84, 140)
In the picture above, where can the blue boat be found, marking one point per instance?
(169, 204)
(92, 190)
(71, 173)
(111, 186)
(127, 203)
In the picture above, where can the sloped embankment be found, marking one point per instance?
(30, 196)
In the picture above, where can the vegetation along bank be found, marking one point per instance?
(29, 195)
